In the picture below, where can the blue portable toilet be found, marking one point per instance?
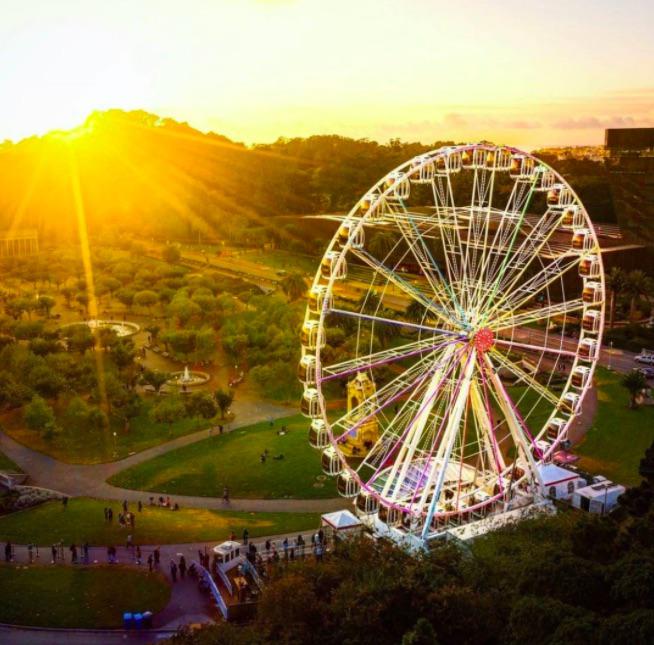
(128, 620)
(138, 621)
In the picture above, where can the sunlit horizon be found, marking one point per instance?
(257, 70)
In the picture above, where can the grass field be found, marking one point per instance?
(78, 597)
(617, 440)
(75, 447)
(8, 465)
(83, 521)
(233, 459)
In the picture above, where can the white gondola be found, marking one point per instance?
(352, 233)
(559, 196)
(491, 159)
(423, 169)
(473, 158)
(310, 405)
(331, 464)
(547, 179)
(399, 184)
(521, 167)
(580, 376)
(503, 161)
(571, 403)
(372, 205)
(320, 299)
(591, 321)
(448, 162)
(555, 427)
(312, 336)
(572, 218)
(366, 503)
(318, 435)
(330, 267)
(592, 293)
(306, 370)
(589, 266)
(588, 349)
(347, 485)
(582, 240)
(390, 515)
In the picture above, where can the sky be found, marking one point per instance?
(528, 74)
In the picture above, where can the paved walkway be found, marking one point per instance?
(187, 604)
(77, 480)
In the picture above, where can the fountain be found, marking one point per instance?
(123, 329)
(188, 378)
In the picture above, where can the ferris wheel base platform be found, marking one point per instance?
(465, 532)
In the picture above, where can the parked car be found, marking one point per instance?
(647, 372)
(645, 358)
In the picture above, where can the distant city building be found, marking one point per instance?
(630, 163)
(629, 140)
(19, 243)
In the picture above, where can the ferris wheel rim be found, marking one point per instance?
(359, 222)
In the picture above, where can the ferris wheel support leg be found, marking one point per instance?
(515, 428)
(449, 438)
(408, 449)
(486, 426)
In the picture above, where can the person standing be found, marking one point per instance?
(137, 556)
(246, 536)
(64, 501)
(140, 506)
(85, 550)
(128, 543)
(53, 550)
(30, 554)
(157, 557)
(150, 562)
(285, 545)
(8, 557)
(182, 566)
(226, 495)
(173, 571)
(267, 548)
(73, 554)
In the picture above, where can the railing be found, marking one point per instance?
(215, 592)
(226, 581)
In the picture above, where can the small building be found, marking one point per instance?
(341, 524)
(600, 497)
(558, 482)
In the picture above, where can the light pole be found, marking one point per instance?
(610, 355)
(115, 449)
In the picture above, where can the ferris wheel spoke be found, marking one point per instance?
(525, 377)
(516, 264)
(521, 295)
(522, 438)
(397, 323)
(426, 262)
(416, 294)
(482, 411)
(442, 460)
(548, 349)
(409, 380)
(410, 438)
(522, 318)
(377, 359)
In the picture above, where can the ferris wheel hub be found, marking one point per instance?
(484, 340)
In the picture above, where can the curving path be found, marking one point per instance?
(89, 480)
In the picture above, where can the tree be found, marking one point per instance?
(224, 399)
(294, 286)
(155, 379)
(169, 411)
(201, 404)
(38, 415)
(635, 383)
(146, 298)
(80, 338)
(637, 285)
(381, 244)
(45, 381)
(125, 297)
(615, 282)
(171, 254)
(414, 312)
(44, 304)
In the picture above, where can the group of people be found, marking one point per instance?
(163, 503)
(182, 569)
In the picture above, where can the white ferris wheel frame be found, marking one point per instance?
(458, 300)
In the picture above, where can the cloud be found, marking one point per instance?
(600, 123)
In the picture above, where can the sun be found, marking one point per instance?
(66, 70)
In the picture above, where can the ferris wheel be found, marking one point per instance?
(451, 335)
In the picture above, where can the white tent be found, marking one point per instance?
(341, 522)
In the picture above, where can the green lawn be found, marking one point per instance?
(90, 597)
(233, 459)
(83, 520)
(8, 465)
(616, 442)
(96, 446)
